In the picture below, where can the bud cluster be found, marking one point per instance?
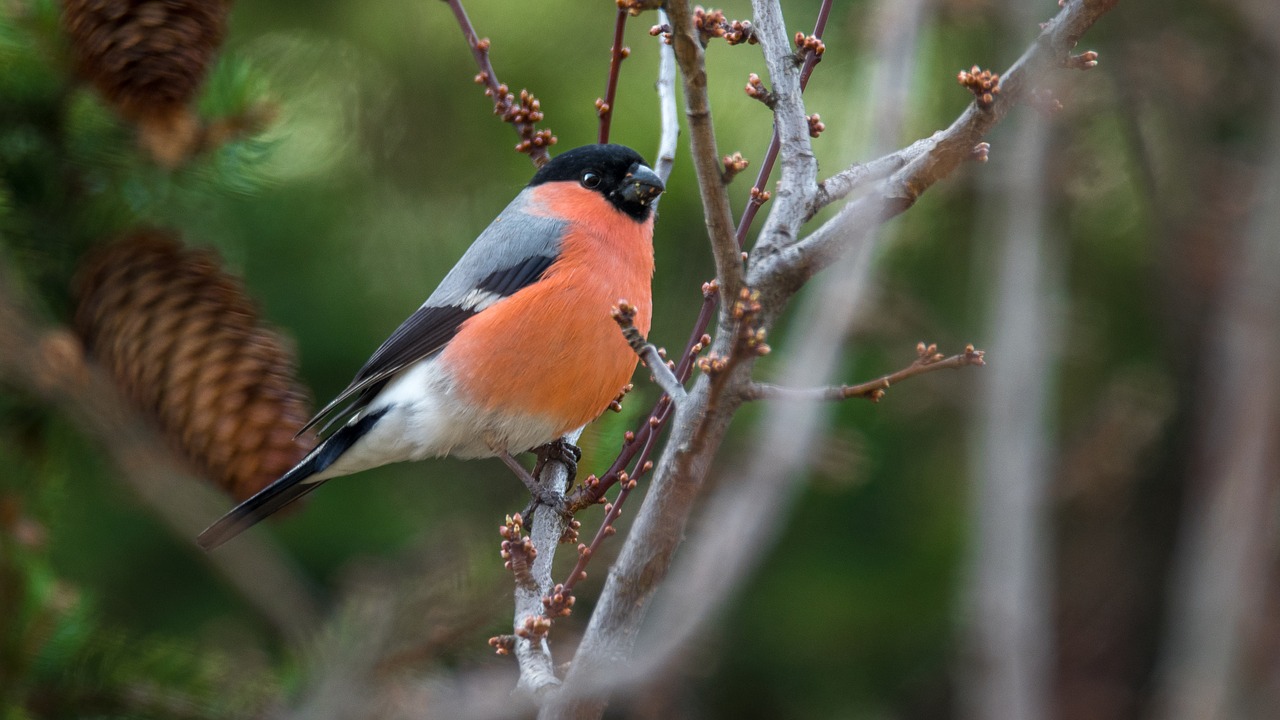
(559, 603)
(815, 125)
(664, 30)
(733, 164)
(534, 628)
(503, 644)
(635, 7)
(1042, 100)
(984, 84)
(570, 534)
(809, 43)
(713, 24)
(518, 550)
(755, 89)
(523, 113)
(616, 404)
(1084, 61)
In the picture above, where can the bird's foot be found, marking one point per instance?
(539, 494)
(561, 451)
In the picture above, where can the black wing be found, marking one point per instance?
(427, 331)
(508, 280)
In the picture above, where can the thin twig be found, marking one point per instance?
(624, 314)
(524, 115)
(840, 185)
(604, 106)
(656, 420)
(928, 361)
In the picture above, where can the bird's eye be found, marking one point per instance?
(590, 180)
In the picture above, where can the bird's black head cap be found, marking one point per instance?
(617, 172)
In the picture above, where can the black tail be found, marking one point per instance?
(289, 487)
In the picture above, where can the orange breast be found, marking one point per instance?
(552, 349)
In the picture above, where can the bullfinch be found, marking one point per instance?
(514, 349)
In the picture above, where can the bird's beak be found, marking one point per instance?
(641, 185)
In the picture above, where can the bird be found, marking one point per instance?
(515, 348)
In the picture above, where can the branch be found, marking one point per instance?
(624, 313)
(1225, 557)
(758, 195)
(797, 183)
(523, 116)
(666, 87)
(929, 360)
(839, 186)
(927, 161)
(604, 106)
(706, 159)
(530, 559)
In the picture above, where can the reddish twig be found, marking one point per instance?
(928, 360)
(523, 115)
(612, 511)
(604, 106)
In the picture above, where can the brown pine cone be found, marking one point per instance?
(183, 341)
(149, 59)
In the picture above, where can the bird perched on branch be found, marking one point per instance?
(514, 349)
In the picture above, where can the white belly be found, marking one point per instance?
(425, 418)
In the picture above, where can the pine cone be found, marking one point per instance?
(149, 59)
(183, 340)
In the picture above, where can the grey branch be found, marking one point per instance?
(799, 167)
(670, 120)
(537, 669)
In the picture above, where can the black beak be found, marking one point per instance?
(641, 185)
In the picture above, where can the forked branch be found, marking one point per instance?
(904, 175)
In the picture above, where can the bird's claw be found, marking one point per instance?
(561, 451)
(565, 453)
